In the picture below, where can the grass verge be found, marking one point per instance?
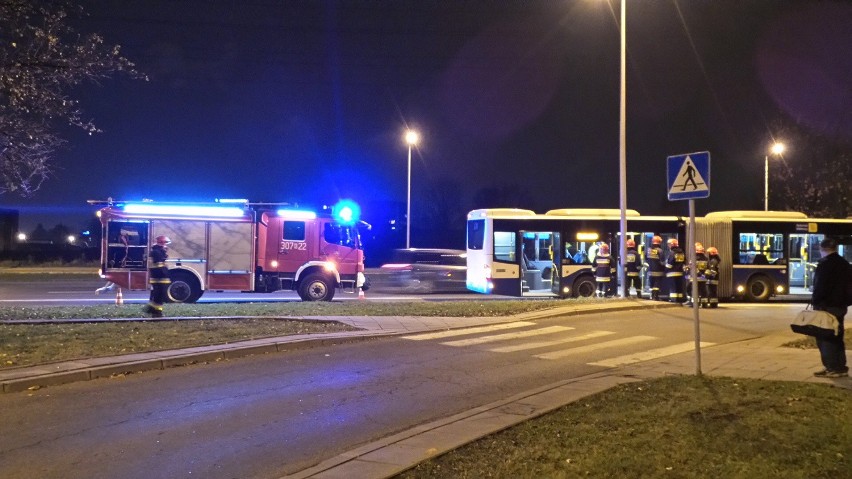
(808, 342)
(672, 427)
(487, 308)
(31, 344)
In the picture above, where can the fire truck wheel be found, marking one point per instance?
(184, 288)
(316, 287)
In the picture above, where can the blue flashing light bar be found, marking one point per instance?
(297, 214)
(347, 212)
(184, 210)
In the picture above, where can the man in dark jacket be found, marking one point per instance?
(832, 275)
(158, 276)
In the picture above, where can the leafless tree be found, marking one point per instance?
(813, 176)
(42, 58)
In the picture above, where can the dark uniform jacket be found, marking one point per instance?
(157, 271)
(712, 270)
(634, 263)
(675, 261)
(654, 260)
(604, 267)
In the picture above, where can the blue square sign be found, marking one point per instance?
(688, 176)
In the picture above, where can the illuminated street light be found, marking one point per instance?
(22, 237)
(411, 137)
(72, 239)
(777, 150)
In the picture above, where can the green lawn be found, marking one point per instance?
(672, 427)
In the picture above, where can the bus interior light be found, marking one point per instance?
(587, 236)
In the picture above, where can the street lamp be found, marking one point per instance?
(777, 149)
(411, 137)
(622, 154)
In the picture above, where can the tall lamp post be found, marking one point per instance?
(411, 137)
(622, 155)
(777, 149)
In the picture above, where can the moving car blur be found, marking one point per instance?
(422, 270)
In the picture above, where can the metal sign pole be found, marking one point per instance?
(693, 276)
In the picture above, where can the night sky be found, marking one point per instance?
(307, 101)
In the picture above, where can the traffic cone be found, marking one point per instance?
(119, 299)
(361, 294)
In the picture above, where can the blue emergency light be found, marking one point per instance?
(346, 212)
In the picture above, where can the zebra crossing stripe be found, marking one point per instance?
(507, 336)
(594, 347)
(544, 344)
(648, 355)
(462, 332)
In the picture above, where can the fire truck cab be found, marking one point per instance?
(232, 247)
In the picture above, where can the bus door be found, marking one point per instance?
(803, 253)
(536, 262)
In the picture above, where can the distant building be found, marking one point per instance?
(8, 229)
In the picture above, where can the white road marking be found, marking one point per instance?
(507, 336)
(649, 354)
(462, 332)
(543, 344)
(594, 347)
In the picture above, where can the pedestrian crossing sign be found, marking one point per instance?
(688, 176)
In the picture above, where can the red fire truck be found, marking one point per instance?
(233, 246)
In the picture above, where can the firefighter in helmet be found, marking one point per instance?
(700, 279)
(604, 266)
(712, 275)
(634, 264)
(158, 276)
(656, 267)
(674, 271)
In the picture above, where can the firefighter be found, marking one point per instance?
(604, 267)
(158, 276)
(674, 271)
(656, 268)
(634, 264)
(700, 279)
(712, 275)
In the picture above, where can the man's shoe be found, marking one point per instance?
(836, 374)
(821, 374)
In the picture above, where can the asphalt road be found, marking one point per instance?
(266, 416)
(80, 291)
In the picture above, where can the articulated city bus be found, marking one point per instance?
(517, 252)
(768, 253)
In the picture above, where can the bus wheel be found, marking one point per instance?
(184, 288)
(584, 287)
(759, 288)
(316, 287)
